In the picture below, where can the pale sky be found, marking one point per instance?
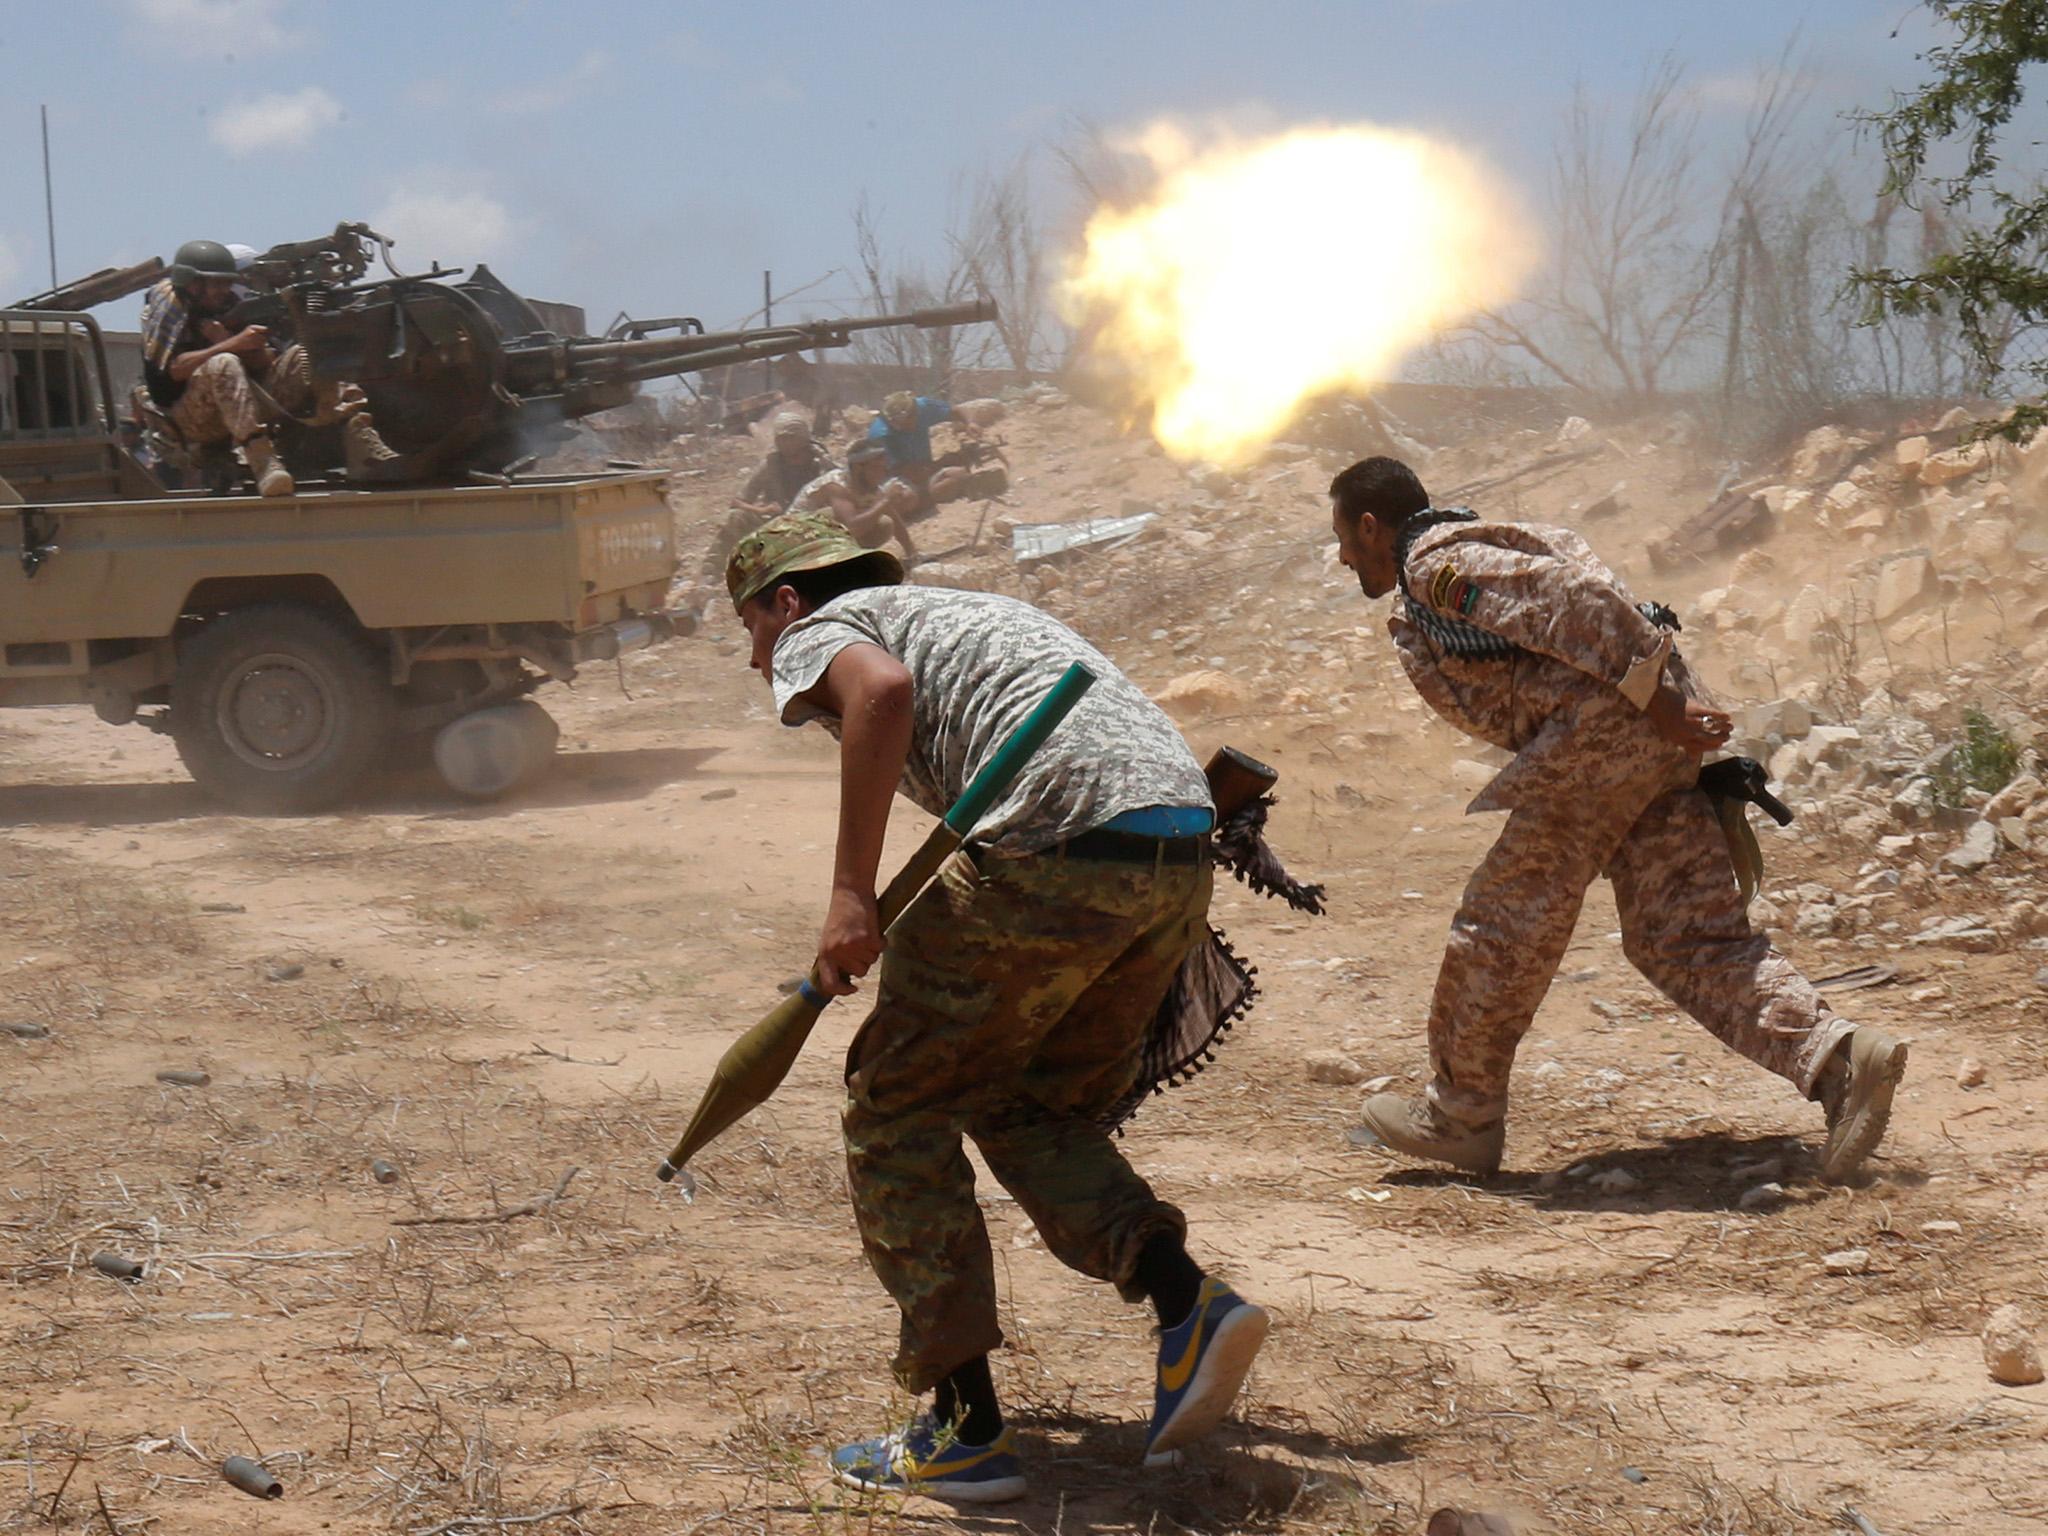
(627, 154)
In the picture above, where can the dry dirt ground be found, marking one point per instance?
(515, 1006)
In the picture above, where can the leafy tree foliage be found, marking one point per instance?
(1996, 282)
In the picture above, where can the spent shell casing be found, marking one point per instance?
(180, 1077)
(251, 1477)
(383, 1172)
(117, 1266)
(22, 1029)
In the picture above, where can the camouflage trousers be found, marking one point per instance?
(1013, 1001)
(1684, 925)
(219, 406)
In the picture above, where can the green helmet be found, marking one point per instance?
(798, 541)
(201, 258)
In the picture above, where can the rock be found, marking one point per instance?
(1970, 1073)
(1379, 1084)
(1471, 774)
(1762, 1197)
(1452, 1521)
(1902, 584)
(1845, 500)
(1784, 763)
(1956, 464)
(1615, 1181)
(2010, 1354)
(2013, 831)
(1941, 1229)
(1197, 695)
(1832, 744)
(1786, 719)
(1808, 619)
(1574, 428)
(1786, 501)
(1966, 931)
(283, 970)
(1850, 1261)
(1914, 803)
(1977, 850)
(2014, 799)
(981, 413)
(1822, 454)
(1333, 1067)
(1610, 505)
(1990, 542)
(1910, 454)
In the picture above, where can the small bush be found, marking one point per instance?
(1986, 758)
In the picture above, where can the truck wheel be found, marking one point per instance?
(280, 708)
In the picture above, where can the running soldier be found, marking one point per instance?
(1015, 994)
(1518, 635)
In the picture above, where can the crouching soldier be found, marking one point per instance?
(1518, 635)
(1014, 995)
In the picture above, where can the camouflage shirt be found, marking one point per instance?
(1577, 649)
(978, 664)
(780, 481)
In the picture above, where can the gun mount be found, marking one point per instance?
(461, 372)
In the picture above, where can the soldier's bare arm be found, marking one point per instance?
(870, 691)
(251, 338)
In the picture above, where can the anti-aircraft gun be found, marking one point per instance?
(463, 374)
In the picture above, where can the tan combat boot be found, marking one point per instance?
(272, 478)
(367, 458)
(1855, 1088)
(1421, 1130)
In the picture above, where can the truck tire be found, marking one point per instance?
(280, 708)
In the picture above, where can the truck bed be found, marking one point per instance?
(574, 550)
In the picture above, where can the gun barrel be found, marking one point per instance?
(102, 287)
(660, 357)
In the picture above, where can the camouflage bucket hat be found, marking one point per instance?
(797, 541)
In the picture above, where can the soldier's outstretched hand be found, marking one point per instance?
(1688, 723)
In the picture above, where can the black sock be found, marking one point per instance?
(966, 1399)
(1168, 1277)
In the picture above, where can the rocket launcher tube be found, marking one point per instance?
(754, 1065)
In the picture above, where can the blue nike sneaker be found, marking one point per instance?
(1203, 1360)
(920, 1459)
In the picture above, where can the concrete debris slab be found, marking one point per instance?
(1037, 541)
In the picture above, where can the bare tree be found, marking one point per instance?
(1635, 271)
(995, 248)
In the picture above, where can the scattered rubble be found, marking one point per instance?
(1333, 1067)
(2010, 1354)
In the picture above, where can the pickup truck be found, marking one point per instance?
(288, 645)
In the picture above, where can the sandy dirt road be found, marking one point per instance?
(1604, 1338)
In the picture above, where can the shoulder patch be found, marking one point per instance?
(1441, 585)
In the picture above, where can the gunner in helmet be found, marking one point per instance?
(220, 382)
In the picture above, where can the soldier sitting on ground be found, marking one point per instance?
(1518, 635)
(904, 433)
(793, 466)
(873, 504)
(796, 461)
(221, 384)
